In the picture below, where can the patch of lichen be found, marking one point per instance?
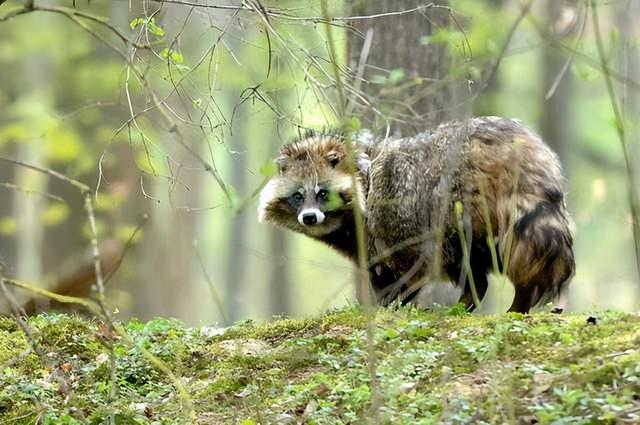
(429, 367)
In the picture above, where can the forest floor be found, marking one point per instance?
(430, 367)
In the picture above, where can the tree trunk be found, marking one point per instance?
(404, 75)
(401, 72)
(557, 121)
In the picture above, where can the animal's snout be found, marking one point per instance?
(310, 217)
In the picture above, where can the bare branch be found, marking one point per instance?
(65, 299)
(30, 191)
(313, 19)
(75, 183)
(72, 14)
(523, 12)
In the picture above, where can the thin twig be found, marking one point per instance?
(126, 247)
(315, 19)
(65, 299)
(72, 14)
(214, 292)
(494, 69)
(31, 191)
(568, 62)
(75, 183)
(634, 202)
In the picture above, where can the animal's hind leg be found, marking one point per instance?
(525, 298)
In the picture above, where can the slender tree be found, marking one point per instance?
(556, 122)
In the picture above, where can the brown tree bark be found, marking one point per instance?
(401, 41)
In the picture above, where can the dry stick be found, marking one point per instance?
(101, 307)
(634, 202)
(65, 299)
(363, 275)
(95, 308)
(18, 314)
(86, 192)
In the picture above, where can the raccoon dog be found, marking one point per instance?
(486, 185)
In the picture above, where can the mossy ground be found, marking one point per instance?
(431, 367)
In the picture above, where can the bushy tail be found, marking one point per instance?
(541, 257)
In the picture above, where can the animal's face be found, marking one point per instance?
(313, 192)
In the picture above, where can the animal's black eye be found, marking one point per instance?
(297, 197)
(323, 194)
(334, 161)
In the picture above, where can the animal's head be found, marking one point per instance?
(313, 191)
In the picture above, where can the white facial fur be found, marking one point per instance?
(274, 189)
(319, 215)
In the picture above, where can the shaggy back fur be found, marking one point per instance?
(503, 177)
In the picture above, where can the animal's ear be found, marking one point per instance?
(283, 162)
(334, 157)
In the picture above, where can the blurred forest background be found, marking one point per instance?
(171, 110)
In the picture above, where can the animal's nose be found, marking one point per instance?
(309, 219)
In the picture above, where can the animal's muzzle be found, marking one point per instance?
(310, 217)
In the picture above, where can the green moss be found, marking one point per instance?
(430, 367)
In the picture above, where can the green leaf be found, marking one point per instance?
(8, 226)
(175, 56)
(248, 422)
(396, 76)
(136, 22)
(459, 209)
(391, 333)
(150, 24)
(63, 145)
(457, 310)
(334, 201)
(584, 72)
(108, 201)
(126, 234)
(269, 169)
(353, 124)
(54, 214)
(443, 36)
(155, 29)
